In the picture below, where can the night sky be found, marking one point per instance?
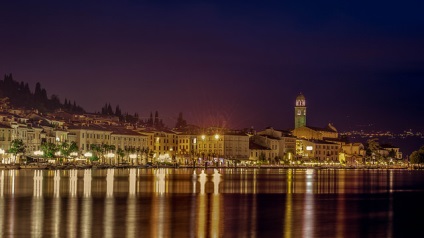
(237, 64)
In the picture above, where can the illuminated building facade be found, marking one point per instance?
(317, 149)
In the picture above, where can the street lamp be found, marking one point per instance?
(132, 157)
(88, 155)
(2, 153)
(110, 155)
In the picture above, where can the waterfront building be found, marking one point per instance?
(316, 133)
(127, 139)
(236, 145)
(86, 135)
(5, 137)
(162, 143)
(386, 151)
(258, 151)
(210, 146)
(317, 150)
(266, 141)
(187, 147)
(286, 141)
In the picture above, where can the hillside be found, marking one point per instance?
(20, 96)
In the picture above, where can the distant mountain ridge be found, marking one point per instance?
(20, 96)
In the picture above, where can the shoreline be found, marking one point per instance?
(82, 167)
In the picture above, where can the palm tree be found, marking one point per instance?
(96, 150)
(120, 153)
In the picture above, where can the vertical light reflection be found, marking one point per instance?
(11, 204)
(109, 218)
(158, 211)
(109, 182)
(193, 213)
(201, 219)
(391, 181)
(87, 183)
(132, 181)
(194, 181)
(12, 174)
(341, 202)
(160, 181)
(1, 183)
(37, 208)
(253, 217)
(255, 185)
(109, 205)
(246, 183)
(38, 183)
(73, 179)
(131, 217)
(216, 180)
(308, 212)
(72, 206)
(202, 180)
(86, 217)
(241, 182)
(131, 205)
(2, 208)
(56, 184)
(390, 212)
(288, 216)
(87, 209)
(215, 228)
(56, 205)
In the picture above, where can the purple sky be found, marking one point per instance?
(240, 64)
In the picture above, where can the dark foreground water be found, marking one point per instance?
(224, 203)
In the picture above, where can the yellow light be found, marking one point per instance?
(88, 154)
(203, 137)
(217, 136)
(110, 155)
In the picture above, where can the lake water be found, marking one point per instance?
(211, 203)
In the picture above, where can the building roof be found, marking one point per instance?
(91, 127)
(5, 126)
(270, 137)
(300, 97)
(124, 131)
(320, 129)
(320, 142)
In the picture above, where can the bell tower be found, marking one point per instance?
(300, 111)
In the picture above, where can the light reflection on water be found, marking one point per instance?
(203, 203)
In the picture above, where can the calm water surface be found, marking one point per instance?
(211, 203)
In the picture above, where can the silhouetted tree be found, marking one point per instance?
(181, 123)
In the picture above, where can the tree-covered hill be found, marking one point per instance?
(20, 96)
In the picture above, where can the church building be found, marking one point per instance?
(302, 130)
